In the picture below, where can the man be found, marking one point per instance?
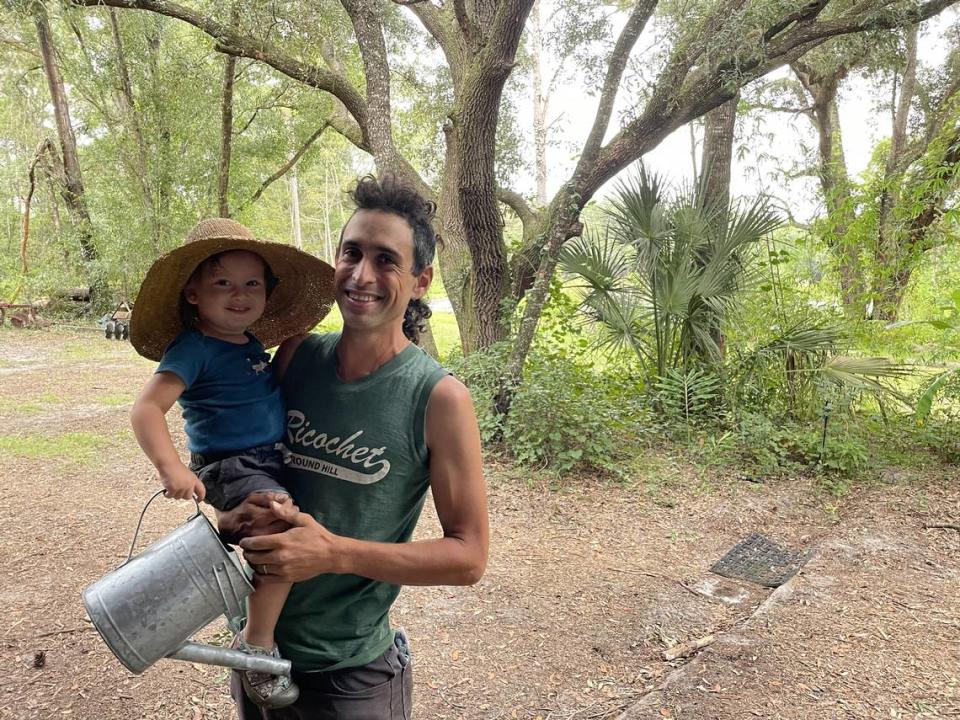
(372, 423)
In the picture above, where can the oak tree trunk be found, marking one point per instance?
(889, 280)
(715, 165)
(73, 192)
(718, 127)
(835, 182)
(226, 136)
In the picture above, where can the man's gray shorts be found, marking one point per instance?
(379, 690)
(230, 476)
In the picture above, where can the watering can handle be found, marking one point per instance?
(143, 512)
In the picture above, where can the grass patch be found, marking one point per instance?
(95, 347)
(84, 351)
(35, 406)
(446, 332)
(79, 447)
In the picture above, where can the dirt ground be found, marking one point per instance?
(586, 586)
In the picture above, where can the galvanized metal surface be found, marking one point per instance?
(226, 657)
(151, 605)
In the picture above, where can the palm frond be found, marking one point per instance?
(598, 260)
(865, 373)
(805, 339)
(925, 403)
(748, 224)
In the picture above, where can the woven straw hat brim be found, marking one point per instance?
(302, 297)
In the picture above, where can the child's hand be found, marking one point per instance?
(181, 484)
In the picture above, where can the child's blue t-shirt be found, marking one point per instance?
(232, 401)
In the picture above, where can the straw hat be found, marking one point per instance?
(302, 296)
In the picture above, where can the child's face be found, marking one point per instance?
(230, 295)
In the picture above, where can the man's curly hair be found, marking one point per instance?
(389, 194)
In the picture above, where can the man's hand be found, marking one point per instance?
(180, 483)
(304, 551)
(254, 516)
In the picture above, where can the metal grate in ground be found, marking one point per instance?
(760, 560)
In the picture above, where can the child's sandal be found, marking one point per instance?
(265, 689)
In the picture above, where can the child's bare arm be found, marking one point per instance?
(148, 418)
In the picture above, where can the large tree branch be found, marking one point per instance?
(432, 18)
(896, 160)
(769, 107)
(805, 14)
(869, 20)
(232, 43)
(467, 27)
(343, 123)
(642, 10)
(285, 168)
(19, 46)
(373, 51)
(443, 28)
(934, 204)
(710, 86)
(516, 202)
(503, 37)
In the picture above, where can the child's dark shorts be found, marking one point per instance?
(230, 476)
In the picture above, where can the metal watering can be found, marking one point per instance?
(148, 607)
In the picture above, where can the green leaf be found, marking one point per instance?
(925, 402)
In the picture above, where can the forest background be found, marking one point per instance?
(595, 302)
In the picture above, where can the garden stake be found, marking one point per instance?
(827, 407)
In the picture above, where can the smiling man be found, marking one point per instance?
(372, 424)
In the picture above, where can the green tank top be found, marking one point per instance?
(359, 464)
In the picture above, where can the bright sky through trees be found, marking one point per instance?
(864, 116)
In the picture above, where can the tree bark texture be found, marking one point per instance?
(718, 132)
(475, 115)
(718, 128)
(835, 181)
(226, 135)
(73, 192)
(454, 253)
(893, 251)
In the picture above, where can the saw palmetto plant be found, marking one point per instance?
(661, 277)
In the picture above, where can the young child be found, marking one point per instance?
(207, 310)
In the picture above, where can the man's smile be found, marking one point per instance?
(361, 297)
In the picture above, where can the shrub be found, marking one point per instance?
(775, 448)
(566, 414)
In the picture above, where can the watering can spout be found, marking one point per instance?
(225, 657)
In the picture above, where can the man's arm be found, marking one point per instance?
(285, 353)
(459, 492)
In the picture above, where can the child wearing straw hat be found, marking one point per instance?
(207, 311)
